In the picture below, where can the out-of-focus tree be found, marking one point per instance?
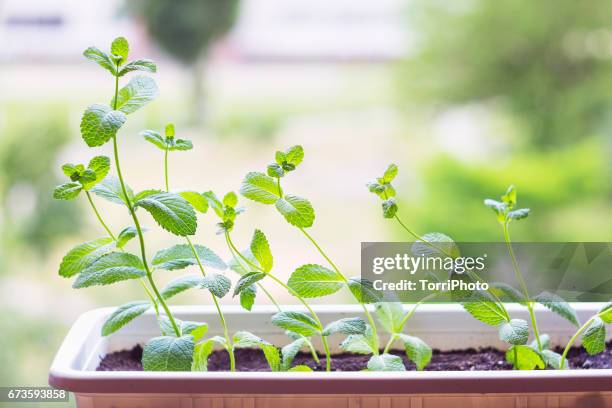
(548, 62)
(186, 29)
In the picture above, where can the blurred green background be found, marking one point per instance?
(466, 97)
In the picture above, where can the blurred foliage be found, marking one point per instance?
(28, 160)
(186, 29)
(548, 62)
(568, 191)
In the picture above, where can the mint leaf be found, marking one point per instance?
(436, 244)
(544, 341)
(110, 189)
(519, 214)
(244, 339)
(200, 355)
(498, 207)
(390, 316)
(389, 208)
(361, 343)
(98, 167)
(553, 360)
(171, 211)
(261, 250)
(483, 308)
(230, 199)
(606, 313)
(346, 326)
(275, 170)
(291, 158)
(138, 65)
(181, 145)
(136, 94)
(247, 297)
(126, 235)
(197, 200)
(297, 211)
(364, 291)
(594, 337)
(516, 331)
(168, 353)
(291, 350)
(386, 362)
(507, 293)
(120, 48)
(312, 280)
(123, 315)
(217, 284)
(390, 173)
(247, 280)
(528, 358)
(101, 58)
(509, 198)
(559, 306)
(180, 285)
(297, 322)
(197, 330)
(417, 350)
(181, 256)
(100, 123)
(214, 203)
(155, 138)
(110, 268)
(81, 256)
(67, 191)
(259, 187)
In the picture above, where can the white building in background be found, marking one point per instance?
(265, 29)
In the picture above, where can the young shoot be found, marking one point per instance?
(593, 333)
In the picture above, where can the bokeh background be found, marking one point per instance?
(466, 97)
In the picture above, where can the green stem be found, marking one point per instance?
(93, 206)
(363, 306)
(128, 201)
(390, 342)
(573, 339)
(519, 278)
(166, 168)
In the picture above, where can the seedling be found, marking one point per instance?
(593, 333)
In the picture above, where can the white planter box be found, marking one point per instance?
(442, 326)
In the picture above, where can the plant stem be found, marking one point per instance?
(128, 201)
(519, 278)
(93, 206)
(166, 168)
(230, 347)
(363, 305)
(293, 293)
(573, 339)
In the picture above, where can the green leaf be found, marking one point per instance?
(123, 315)
(346, 326)
(100, 123)
(528, 358)
(217, 284)
(126, 235)
(361, 343)
(101, 58)
(417, 350)
(110, 189)
(553, 360)
(261, 250)
(110, 268)
(247, 280)
(99, 166)
(197, 200)
(83, 255)
(516, 331)
(136, 94)
(243, 339)
(594, 337)
(171, 211)
(498, 207)
(436, 244)
(507, 293)
(386, 362)
(67, 191)
(390, 173)
(247, 297)
(275, 170)
(297, 322)
(291, 350)
(544, 341)
(312, 280)
(559, 306)
(376, 188)
(297, 211)
(120, 48)
(180, 285)
(389, 208)
(200, 355)
(292, 156)
(154, 138)
(197, 330)
(390, 316)
(485, 309)
(259, 187)
(519, 214)
(363, 290)
(230, 199)
(181, 145)
(606, 313)
(168, 353)
(509, 198)
(145, 65)
(181, 256)
(300, 368)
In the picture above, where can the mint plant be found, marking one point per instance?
(105, 261)
(593, 333)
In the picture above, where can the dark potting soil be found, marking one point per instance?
(455, 360)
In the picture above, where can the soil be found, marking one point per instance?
(455, 360)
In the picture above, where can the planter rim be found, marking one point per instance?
(63, 374)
